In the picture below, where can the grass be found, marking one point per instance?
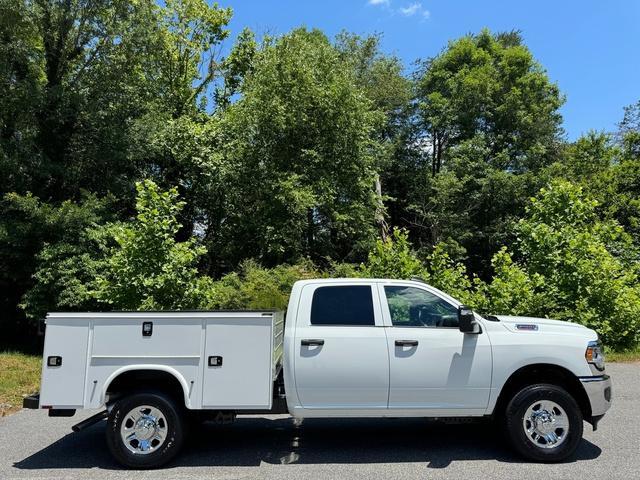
(19, 376)
(625, 356)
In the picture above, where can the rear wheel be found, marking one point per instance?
(544, 423)
(145, 430)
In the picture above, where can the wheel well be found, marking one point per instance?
(544, 373)
(136, 380)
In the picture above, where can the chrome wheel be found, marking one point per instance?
(143, 430)
(546, 424)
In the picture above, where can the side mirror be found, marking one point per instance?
(467, 320)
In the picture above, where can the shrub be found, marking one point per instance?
(256, 287)
(393, 258)
(147, 268)
(568, 268)
(451, 277)
(569, 254)
(512, 291)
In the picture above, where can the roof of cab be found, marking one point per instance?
(370, 281)
(361, 280)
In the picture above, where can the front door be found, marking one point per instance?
(433, 366)
(341, 358)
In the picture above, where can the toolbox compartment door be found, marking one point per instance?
(237, 363)
(62, 384)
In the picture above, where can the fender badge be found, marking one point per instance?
(527, 326)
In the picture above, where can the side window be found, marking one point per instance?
(414, 307)
(342, 305)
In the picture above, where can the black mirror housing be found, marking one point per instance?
(467, 320)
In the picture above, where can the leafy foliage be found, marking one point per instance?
(393, 258)
(487, 120)
(133, 265)
(569, 271)
(300, 151)
(257, 287)
(491, 85)
(143, 169)
(513, 290)
(36, 236)
(562, 240)
(147, 269)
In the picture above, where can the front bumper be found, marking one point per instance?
(599, 391)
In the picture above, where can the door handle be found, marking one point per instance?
(311, 341)
(406, 343)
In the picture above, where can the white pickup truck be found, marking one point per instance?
(348, 348)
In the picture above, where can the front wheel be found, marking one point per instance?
(544, 423)
(145, 430)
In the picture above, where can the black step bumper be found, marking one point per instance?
(32, 401)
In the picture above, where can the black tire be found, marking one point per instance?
(515, 423)
(173, 440)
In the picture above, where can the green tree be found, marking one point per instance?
(134, 265)
(147, 269)
(300, 151)
(627, 173)
(607, 166)
(189, 31)
(393, 257)
(381, 79)
(488, 121)
(562, 240)
(237, 65)
(65, 273)
(590, 155)
(469, 203)
(27, 226)
(73, 85)
(253, 286)
(630, 122)
(182, 66)
(79, 82)
(489, 84)
(514, 291)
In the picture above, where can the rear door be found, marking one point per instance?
(434, 367)
(341, 358)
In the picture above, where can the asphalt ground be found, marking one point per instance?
(275, 447)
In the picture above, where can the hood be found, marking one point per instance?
(533, 325)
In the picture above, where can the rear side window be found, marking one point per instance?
(343, 305)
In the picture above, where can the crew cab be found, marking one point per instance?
(348, 348)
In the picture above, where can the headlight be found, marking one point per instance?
(594, 355)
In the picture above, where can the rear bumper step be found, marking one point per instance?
(62, 412)
(32, 401)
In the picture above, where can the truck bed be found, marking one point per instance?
(222, 359)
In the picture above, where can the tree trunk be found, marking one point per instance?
(434, 140)
(439, 154)
(380, 210)
(310, 229)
